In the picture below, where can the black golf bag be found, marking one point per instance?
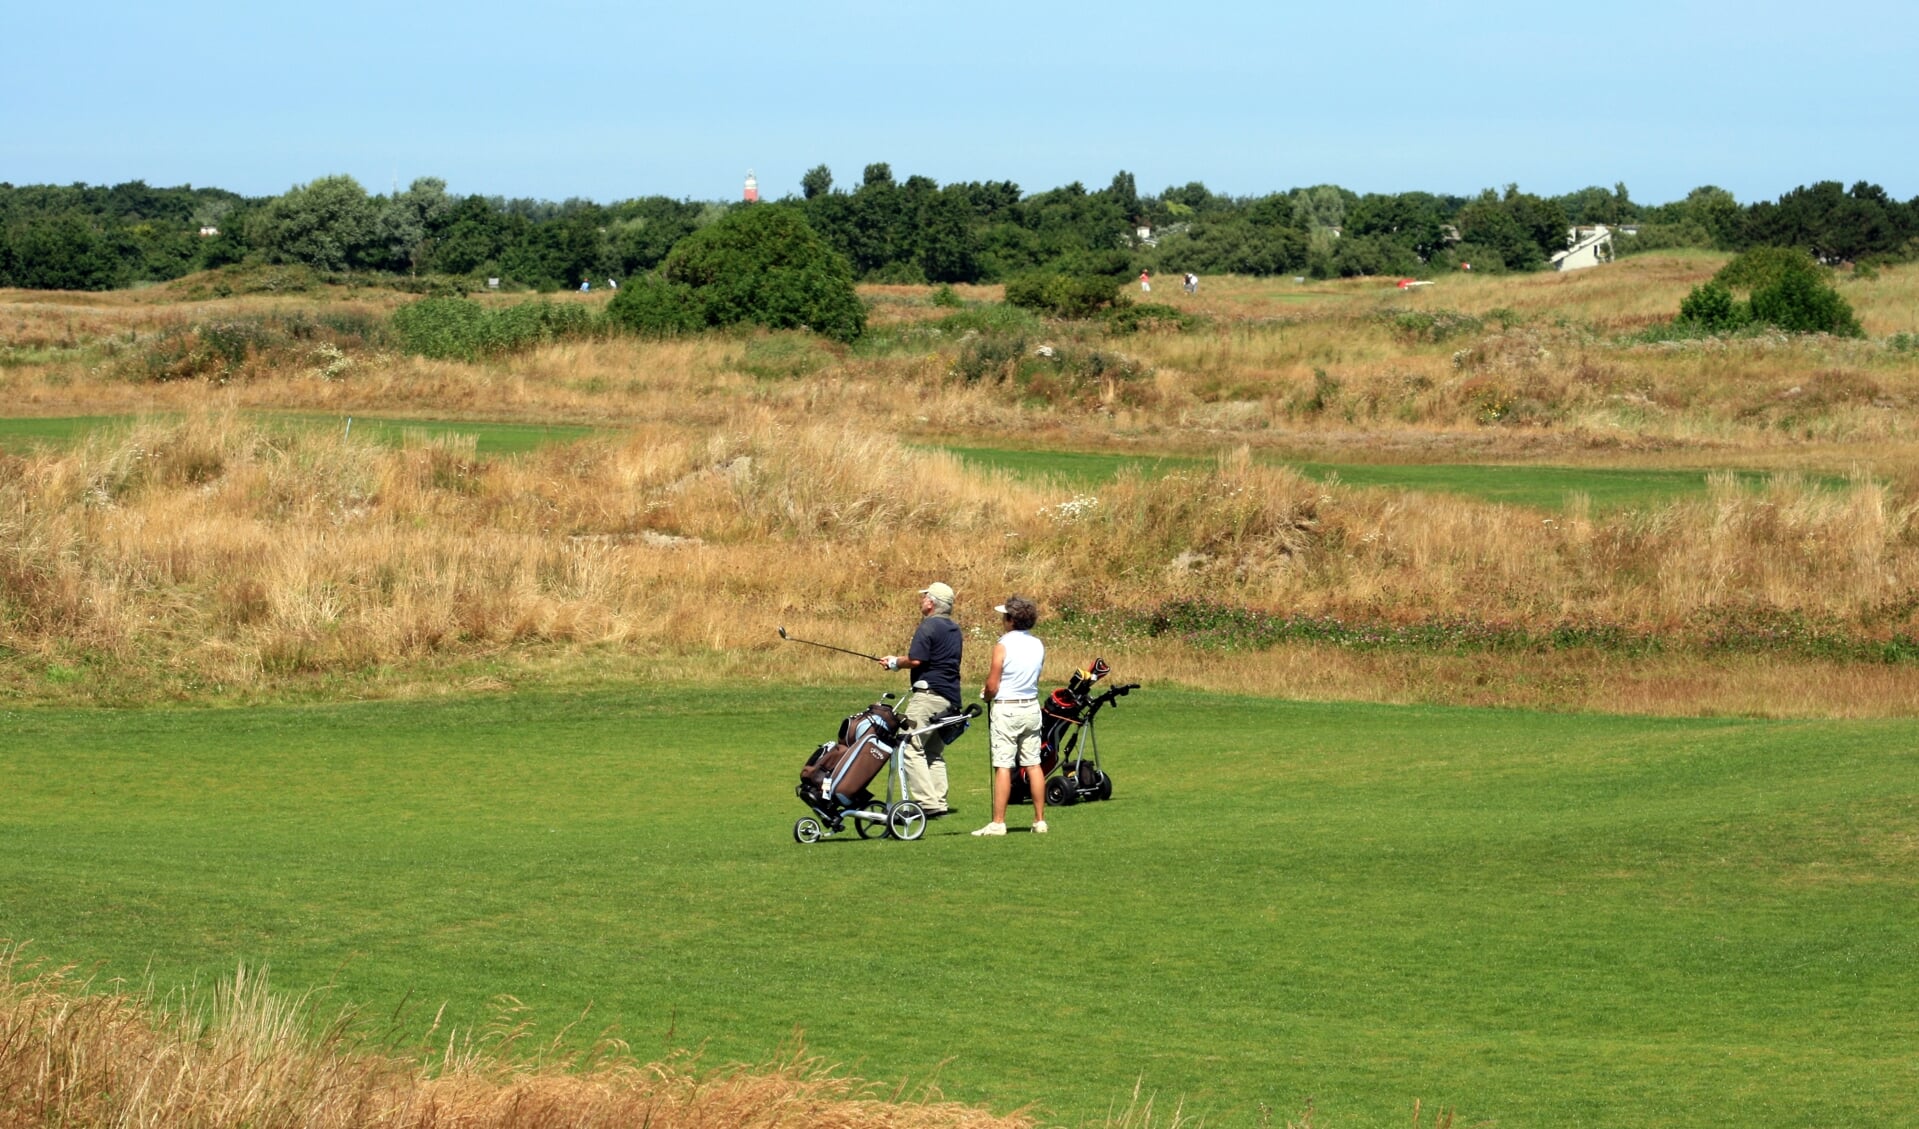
(1065, 717)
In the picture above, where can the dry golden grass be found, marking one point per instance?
(224, 554)
(72, 1054)
(202, 553)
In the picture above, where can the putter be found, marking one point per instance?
(827, 646)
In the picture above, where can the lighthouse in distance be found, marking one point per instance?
(752, 187)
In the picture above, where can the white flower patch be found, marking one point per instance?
(1071, 511)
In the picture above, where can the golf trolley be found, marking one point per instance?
(1068, 742)
(834, 782)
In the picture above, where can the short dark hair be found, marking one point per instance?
(1023, 612)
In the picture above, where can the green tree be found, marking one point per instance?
(1524, 229)
(948, 245)
(473, 236)
(641, 232)
(64, 252)
(328, 223)
(818, 181)
(1322, 206)
(1125, 194)
(1409, 219)
(404, 222)
(1596, 205)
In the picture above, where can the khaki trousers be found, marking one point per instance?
(924, 755)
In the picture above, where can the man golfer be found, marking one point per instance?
(932, 660)
(1012, 685)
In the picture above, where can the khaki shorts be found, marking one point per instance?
(1015, 734)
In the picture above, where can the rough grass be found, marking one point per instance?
(77, 1053)
(226, 553)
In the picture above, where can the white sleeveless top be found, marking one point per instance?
(1019, 676)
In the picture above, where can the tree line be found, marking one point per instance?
(908, 231)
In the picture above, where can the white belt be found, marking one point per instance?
(1012, 701)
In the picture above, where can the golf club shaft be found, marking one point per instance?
(827, 646)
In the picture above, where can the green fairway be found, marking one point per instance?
(489, 438)
(1542, 920)
(1539, 487)
(21, 435)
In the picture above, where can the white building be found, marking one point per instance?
(1586, 247)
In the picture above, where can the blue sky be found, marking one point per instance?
(608, 101)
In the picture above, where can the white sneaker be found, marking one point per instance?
(1039, 828)
(992, 829)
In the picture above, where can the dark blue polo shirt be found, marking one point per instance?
(937, 646)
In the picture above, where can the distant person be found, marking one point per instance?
(931, 660)
(612, 284)
(585, 285)
(1192, 283)
(1012, 685)
(1145, 282)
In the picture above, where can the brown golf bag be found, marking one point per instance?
(839, 771)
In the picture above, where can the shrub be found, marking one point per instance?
(458, 329)
(989, 358)
(650, 306)
(1149, 316)
(212, 350)
(1712, 307)
(1064, 295)
(236, 348)
(1430, 326)
(1801, 303)
(1762, 267)
(761, 265)
(946, 297)
(442, 327)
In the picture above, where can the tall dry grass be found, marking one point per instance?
(204, 553)
(77, 1054)
(227, 554)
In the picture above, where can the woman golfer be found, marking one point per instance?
(1012, 685)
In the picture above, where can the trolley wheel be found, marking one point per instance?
(1104, 789)
(907, 821)
(872, 829)
(808, 830)
(1060, 791)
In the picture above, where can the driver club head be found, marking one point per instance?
(782, 632)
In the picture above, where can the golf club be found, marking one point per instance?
(828, 646)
